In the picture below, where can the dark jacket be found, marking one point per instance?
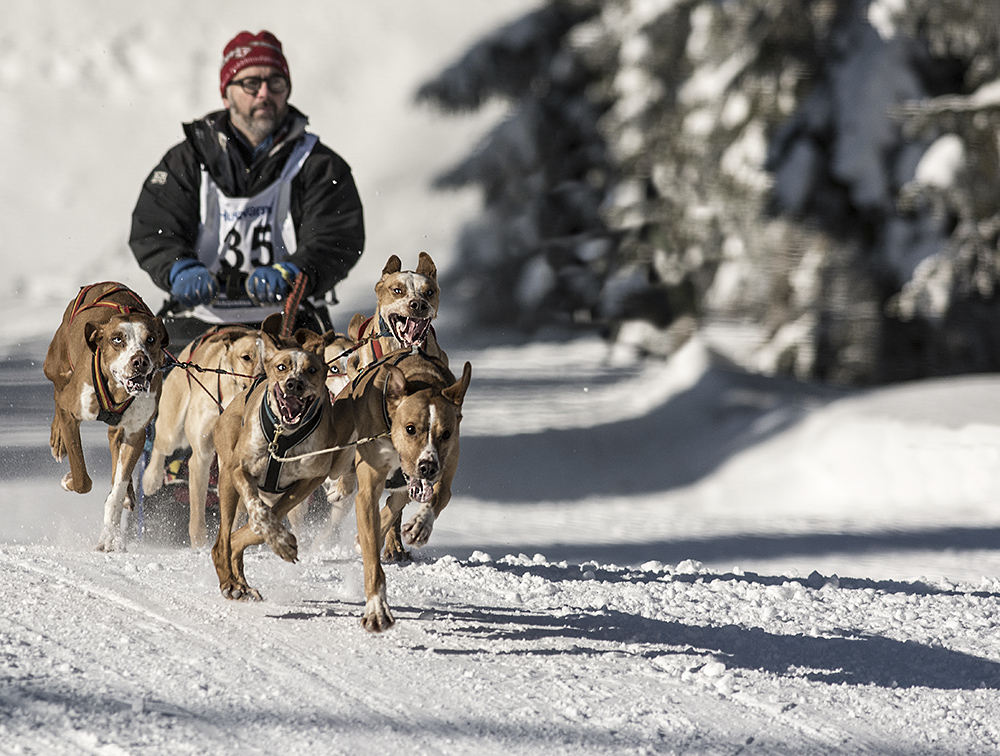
(325, 205)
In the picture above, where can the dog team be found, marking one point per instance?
(362, 413)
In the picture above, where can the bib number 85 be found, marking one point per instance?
(260, 252)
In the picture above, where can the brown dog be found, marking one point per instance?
(407, 302)
(104, 365)
(336, 353)
(406, 409)
(287, 414)
(190, 406)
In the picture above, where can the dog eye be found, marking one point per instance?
(150, 339)
(396, 290)
(446, 435)
(281, 368)
(311, 371)
(411, 429)
(245, 357)
(117, 339)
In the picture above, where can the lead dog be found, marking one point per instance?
(286, 414)
(406, 304)
(104, 365)
(406, 411)
(190, 407)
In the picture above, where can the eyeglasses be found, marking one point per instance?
(276, 84)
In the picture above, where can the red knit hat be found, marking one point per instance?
(246, 49)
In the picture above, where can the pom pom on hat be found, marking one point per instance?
(246, 49)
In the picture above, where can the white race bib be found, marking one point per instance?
(242, 233)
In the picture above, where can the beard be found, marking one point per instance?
(260, 121)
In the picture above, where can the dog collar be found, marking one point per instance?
(279, 443)
(109, 411)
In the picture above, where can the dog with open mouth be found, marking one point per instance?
(406, 411)
(104, 363)
(190, 406)
(339, 347)
(276, 442)
(406, 304)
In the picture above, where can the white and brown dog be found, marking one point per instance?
(286, 415)
(337, 352)
(406, 410)
(190, 406)
(104, 363)
(406, 304)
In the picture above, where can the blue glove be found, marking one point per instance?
(192, 284)
(271, 283)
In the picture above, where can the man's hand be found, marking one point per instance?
(192, 284)
(271, 283)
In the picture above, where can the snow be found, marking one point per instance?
(641, 557)
(942, 161)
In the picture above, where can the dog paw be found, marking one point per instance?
(377, 617)
(417, 531)
(152, 479)
(267, 526)
(68, 484)
(111, 540)
(394, 554)
(285, 545)
(241, 593)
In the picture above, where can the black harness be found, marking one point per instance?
(279, 443)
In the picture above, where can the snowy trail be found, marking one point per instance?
(599, 644)
(512, 656)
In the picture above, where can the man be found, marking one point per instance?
(232, 216)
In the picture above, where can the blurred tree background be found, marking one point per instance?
(809, 185)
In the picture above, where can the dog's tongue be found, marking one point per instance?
(411, 330)
(421, 490)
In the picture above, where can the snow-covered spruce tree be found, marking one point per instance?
(540, 249)
(809, 183)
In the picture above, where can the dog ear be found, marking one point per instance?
(309, 340)
(395, 384)
(162, 330)
(272, 324)
(455, 393)
(92, 335)
(392, 266)
(270, 331)
(426, 266)
(354, 328)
